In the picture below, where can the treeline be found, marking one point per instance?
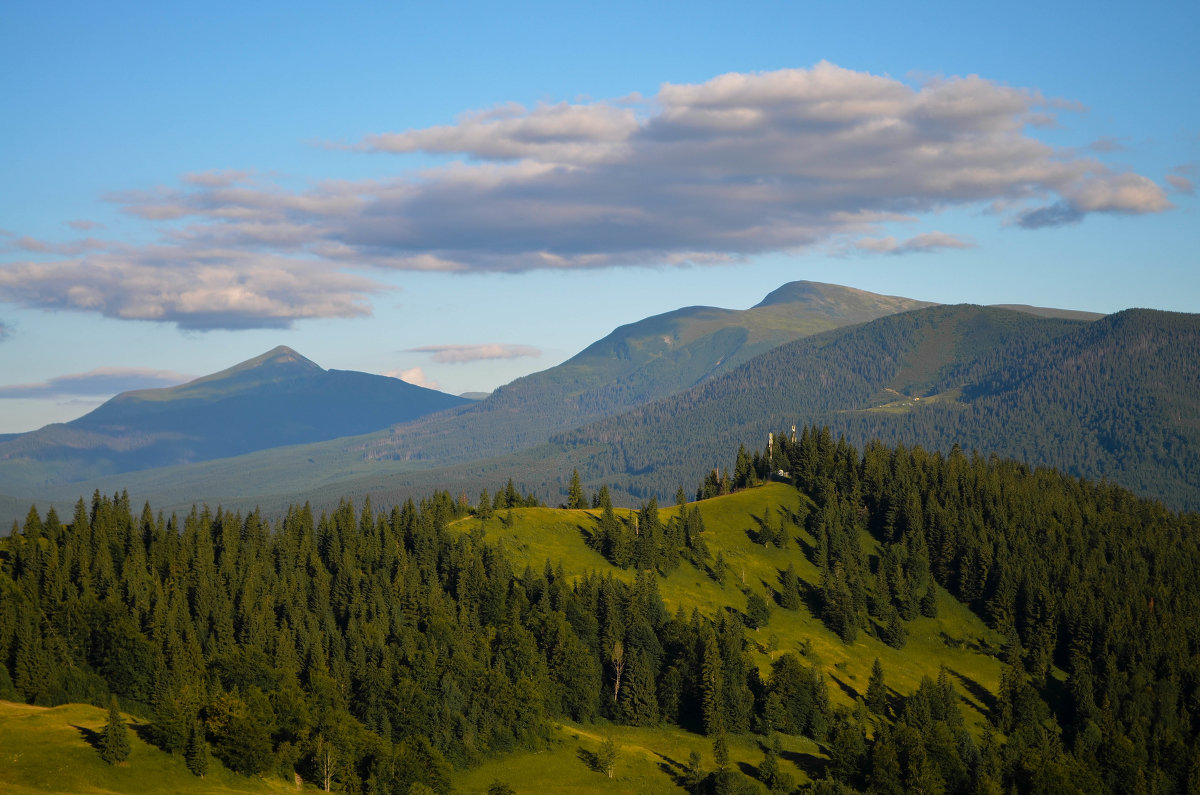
(1093, 588)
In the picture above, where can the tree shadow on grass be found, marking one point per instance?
(589, 534)
(145, 732)
(978, 692)
(748, 770)
(591, 760)
(90, 736)
(675, 770)
(814, 766)
(850, 692)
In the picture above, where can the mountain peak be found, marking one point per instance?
(280, 355)
(838, 301)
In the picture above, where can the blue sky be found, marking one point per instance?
(467, 193)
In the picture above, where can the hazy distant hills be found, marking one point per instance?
(279, 398)
(1117, 398)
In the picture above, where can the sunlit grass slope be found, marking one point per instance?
(956, 639)
(49, 750)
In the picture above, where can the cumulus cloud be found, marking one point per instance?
(414, 376)
(458, 354)
(193, 288)
(931, 241)
(84, 225)
(709, 173)
(101, 381)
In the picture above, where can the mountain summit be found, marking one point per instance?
(278, 398)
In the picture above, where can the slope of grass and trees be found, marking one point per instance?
(882, 619)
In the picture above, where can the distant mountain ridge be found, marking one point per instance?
(634, 364)
(1117, 398)
(278, 398)
(656, 403)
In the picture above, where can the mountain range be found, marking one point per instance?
(656, 404)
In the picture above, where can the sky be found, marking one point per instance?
(462, 194)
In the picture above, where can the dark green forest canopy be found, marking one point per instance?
(1116, 399)
(410, 648)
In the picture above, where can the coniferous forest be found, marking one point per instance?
(380, 650)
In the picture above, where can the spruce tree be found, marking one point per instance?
(196, 753)
(929, 601)
(575, 498)
(877, 691)
(789, 594)
(114, 742)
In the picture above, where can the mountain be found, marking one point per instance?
(1117, 399)
(278, 398)
(634, 364)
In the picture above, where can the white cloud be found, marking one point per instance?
(713, 172)
(195, 289)
(414, 376)
(458, 354)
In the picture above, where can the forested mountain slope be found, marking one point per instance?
(774, 633)
(1117, 398)
(279, 398)
(635, 364)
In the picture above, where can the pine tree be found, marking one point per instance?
(789, 593)
(114, 742)
(575, 497)
(484, 508)
(196, 752)
(893, 633)
(757, 612)
(877, 697)
(712, 688)
(721, 751)
(929, 601)
(602, 499)
(640, 701)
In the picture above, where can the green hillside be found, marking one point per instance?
(43, 742)
(954, 623)
(44, 750)
(956, 638)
